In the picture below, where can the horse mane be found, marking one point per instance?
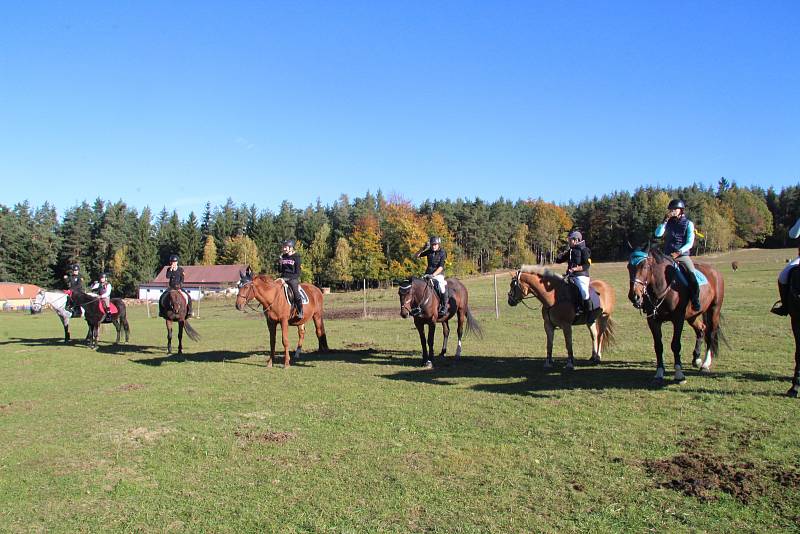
(541, 270)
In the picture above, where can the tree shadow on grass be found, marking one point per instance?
(211, 356)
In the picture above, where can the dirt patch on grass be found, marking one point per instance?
(11, 407)
(128, 387)
(357, 345)
(252, 435)
(701, 471)
(140, 436)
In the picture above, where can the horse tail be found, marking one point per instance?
(607, 333)
(716, 336)
(473, 325)
(191, 332)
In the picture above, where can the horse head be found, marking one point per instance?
(518, 289)
(37, 303)
(247, 292)
(640, 272)
(405, 292)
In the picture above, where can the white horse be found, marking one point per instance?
(57, 300)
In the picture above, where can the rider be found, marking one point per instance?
(74, 282)
(577, 258)
(289, 268)
(678, 241)
(175, 278)
(103, 289)
(435, 271)
(783, 278)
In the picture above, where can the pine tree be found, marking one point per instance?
(191, 241)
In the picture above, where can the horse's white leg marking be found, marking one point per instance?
(659, 373)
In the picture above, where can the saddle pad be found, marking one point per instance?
(303, 296)
(595, 297)
(701, 278)
(112, 310)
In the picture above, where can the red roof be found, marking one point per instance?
(10, 291)
(203, 275)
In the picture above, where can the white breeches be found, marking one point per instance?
(583, 285)
(442, 282)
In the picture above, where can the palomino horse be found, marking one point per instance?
(655, 288)
(90, 303)
(172, 308)
(417, 298)
(277, 310)
(558, 309)
(57, 300)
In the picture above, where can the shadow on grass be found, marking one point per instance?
(219, 356)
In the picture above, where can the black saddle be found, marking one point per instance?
(577, 301)
(287, 291)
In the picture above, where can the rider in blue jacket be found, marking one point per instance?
(678, 233)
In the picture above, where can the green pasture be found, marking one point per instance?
(363, 440)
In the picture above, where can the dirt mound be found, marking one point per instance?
(255, 436)
(698, 475)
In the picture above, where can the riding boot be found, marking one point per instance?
(586, 307)
(442, 305)
(298, 305)
(188, 307)
(694, 291)
(783, 309)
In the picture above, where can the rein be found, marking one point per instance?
(249, 297)
(654, 301)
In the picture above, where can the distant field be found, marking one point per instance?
(362, 440)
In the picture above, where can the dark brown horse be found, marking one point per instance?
(277, 310)
(172, 307)
(94, 315)
(793, 305)
(655, 288)
(558, 309)
(419, 299)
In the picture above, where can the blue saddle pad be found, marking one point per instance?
(701, 278)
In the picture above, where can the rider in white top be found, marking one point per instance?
(783, 278)
(103, 289)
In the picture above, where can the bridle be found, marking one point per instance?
(516, 286)
(654, 302)
(409, 288)
(250, 296)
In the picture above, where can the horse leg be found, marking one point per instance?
(272, 326)
(169, 336)
(658, 346)
(446, 334)
(118, 326)
(549, 331)
(712, 334)
(301, 336)
(460, 330)
(319, 326)
(677, 330)
(285, 340)
(796, 378)
(431, 333)
(421, 331)
(568, 342)
(593, 331)
(699, 328)
(180, 337)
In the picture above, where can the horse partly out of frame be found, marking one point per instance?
(278, 311)
(558, 309)
(419, 299)
(173, 308)
(57, 300)
(93, 314)
(655, 288)
(793, 305)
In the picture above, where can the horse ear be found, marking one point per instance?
(646, 248)
(628, 245)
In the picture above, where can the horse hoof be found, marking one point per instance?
(442, 354)
(427, 364)
(696, 362)
(548, 365)
(657, 382)
(680, 381)
(705, 371)
(569, 367)
(792, 393)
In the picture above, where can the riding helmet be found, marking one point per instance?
(676, 203)
(575, 235)
(75, 267)
(436, 240)
(173, 257)
(288, 243)
(103, 276)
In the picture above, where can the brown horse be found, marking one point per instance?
(655, 289)
(90, 302)
(277, 310)
(419, 299)
(558, 309)
(172, 307)
(793, 304)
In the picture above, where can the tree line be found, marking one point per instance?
(373, 237)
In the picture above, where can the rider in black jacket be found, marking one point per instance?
(175, 278)
(436, 263)
(289, 269)
(75, 284)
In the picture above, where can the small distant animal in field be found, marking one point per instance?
(735, 266)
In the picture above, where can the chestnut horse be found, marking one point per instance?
(655, 289)
(558, 309)
(418, 299)
(172, 308)
(277, 310)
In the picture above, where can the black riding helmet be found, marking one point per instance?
(173, 257)
(435, 240)
(288, 243)
(675, 204)
(75, 267)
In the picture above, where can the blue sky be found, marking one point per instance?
(176, 103)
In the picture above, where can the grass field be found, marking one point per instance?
(362, 440)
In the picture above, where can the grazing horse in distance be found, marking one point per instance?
(558, 309)
(735, 266)
(93, 314)
(657, 289)
(57, 300)
(173, 308)
(417, 299)
(278, 311)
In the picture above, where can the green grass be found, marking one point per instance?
(362, 440)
